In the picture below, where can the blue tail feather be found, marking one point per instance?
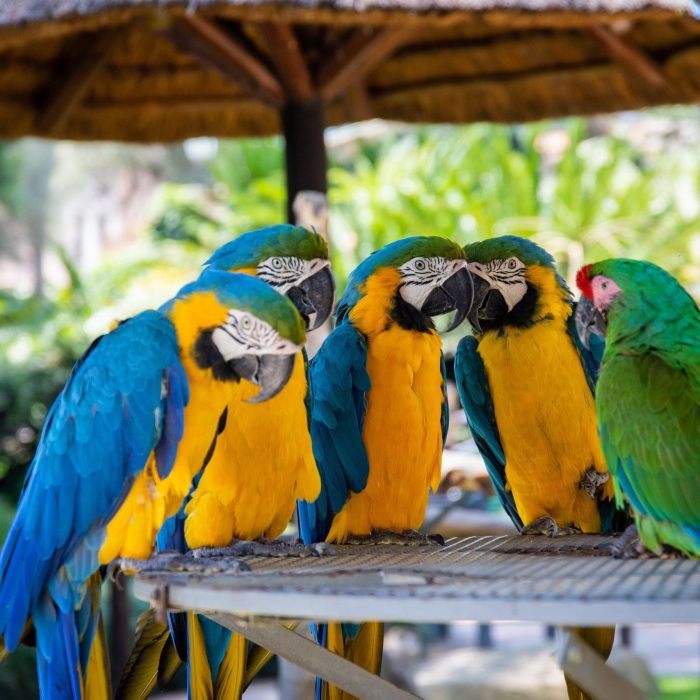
(58, 664)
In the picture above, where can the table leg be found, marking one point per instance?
(589, 671)
(309, 655)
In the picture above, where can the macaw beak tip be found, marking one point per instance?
(455, 293)
(588, 321)
(270, 372)
(481, 292)
(313, 298)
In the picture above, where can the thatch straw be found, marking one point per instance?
(147, 71)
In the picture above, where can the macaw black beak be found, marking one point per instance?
(270, 372)
(482, 292)
(588, 320)
(456, 292)
(313, 298)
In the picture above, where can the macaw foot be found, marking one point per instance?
(626, 546)
(407, 537)
(264, 548)
(173, 561)
(546, 525)
(668, 552)
(592, 480)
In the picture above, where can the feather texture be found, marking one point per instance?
(340, 382)
(648, 400)
(143, 667)
(98, 435)
(527, 391)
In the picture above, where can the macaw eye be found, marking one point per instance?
(246, 323)
(604, 286)
(420, 265)
(512, 264)
(276, 263)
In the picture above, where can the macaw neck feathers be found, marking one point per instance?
(381, 305)
(545, 300)
(554, 299)
(189, 316)
(409, 317)
(207, 356)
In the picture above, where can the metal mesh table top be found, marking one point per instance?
(561, 581)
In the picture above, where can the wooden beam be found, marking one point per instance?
(72, 80)
(629, 55)
(352, 62)
(314, 658)
(284, 50)
(213, 46)
(357, 105)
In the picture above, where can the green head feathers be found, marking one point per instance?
(394, 255)
(504, 247)
(647, 299)
(246, 293)
(284, 240)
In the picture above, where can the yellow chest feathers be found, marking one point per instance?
(262, 463)
(402, 431)
(545, 415)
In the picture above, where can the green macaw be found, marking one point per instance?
(648, 400)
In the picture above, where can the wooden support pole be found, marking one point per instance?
(213, 46)
(357, 104)
(358, 56)
(309, 655)
(629, 55)
(284, 50)
(305, 150)
(590, 672)
(72, 80)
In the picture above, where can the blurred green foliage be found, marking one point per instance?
(580, 192)
(678, 688)
(40, 339)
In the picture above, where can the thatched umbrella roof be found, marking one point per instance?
(161, 70)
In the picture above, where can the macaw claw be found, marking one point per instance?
(406, 537)
(175, 561)
(626, 546)
(546, 525)
(592, 480)
(321, 549)
(264, 548)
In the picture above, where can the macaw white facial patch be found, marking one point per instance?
(420, 276)
(284, 272)
(507, 275)
(246, 334)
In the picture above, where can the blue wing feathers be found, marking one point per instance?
(99, 433)
(340, 382)
(177, 398)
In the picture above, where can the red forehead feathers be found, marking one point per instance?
(583, 281)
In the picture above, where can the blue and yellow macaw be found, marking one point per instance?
(261, 464)
(379, 414)
(118, 451)
(527, 383)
